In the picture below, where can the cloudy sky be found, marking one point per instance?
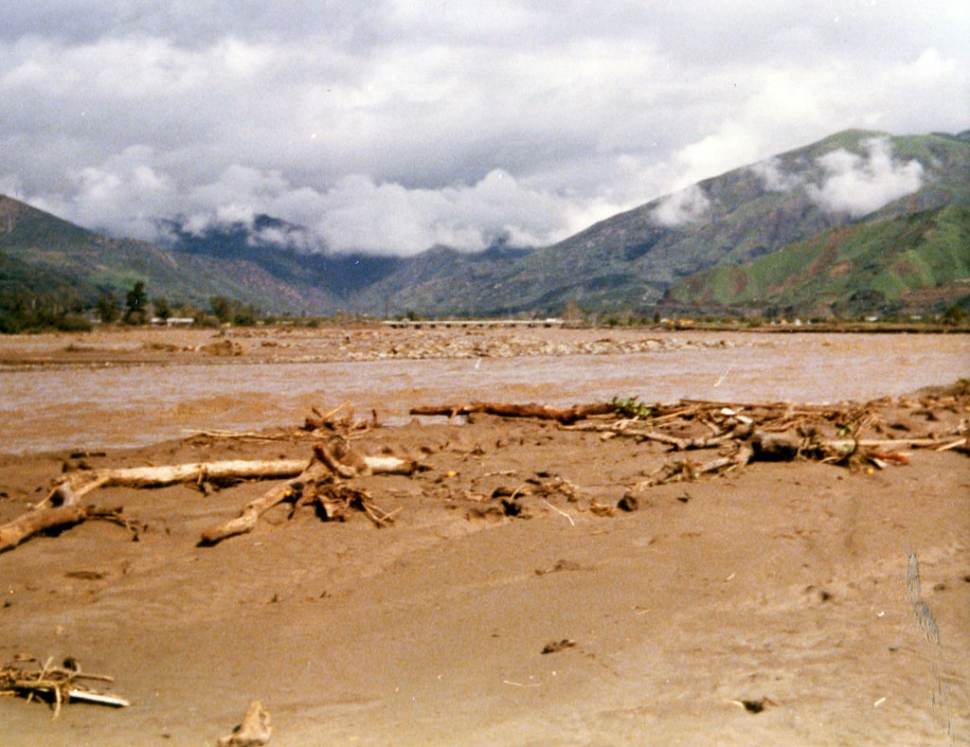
(393, 125)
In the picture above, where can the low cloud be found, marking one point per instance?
(773, 176)
(858, 185)
(130, 195)
(687, 206)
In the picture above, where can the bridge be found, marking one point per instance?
(459, 323)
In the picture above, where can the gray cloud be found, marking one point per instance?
(389, 126)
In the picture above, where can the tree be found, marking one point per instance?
(222, 309)
(245, 316)
(162, 308)
(136, 303)
(106, 308)
(955, 316)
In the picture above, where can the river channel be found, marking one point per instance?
(83, 407)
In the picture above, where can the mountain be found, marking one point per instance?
(858, 222)
(281, 249)
(631, 260)
(910, 256)
(46, 257)
(354, 282)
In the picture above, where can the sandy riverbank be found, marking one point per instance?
(784, 586)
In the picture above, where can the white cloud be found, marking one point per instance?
(687, 206)
(858, 185)
(387, 218)
(929, 68)
(773, 176)
(125, 195)
(129, 197)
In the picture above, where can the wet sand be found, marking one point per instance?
(771, 605)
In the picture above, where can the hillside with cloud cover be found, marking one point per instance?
(631, 260)
(859, 222)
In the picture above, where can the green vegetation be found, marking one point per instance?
(874, 267)
(107, 309)
(232, 311)
(136, 304)
(631, 407)
(27, 310)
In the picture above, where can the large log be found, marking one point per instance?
(84, 482)
(61, 517)
(40, 520)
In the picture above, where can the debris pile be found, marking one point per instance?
(28, 678)
(701, 438)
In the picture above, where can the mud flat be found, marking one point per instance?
(500, 596)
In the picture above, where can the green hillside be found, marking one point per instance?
(50, 262)
(911, 263)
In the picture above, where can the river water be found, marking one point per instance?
(83, 408)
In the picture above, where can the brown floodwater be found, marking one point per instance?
(46, 408)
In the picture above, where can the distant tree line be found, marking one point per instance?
(25, 309)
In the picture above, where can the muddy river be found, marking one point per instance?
(105, 403)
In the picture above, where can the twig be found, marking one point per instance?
(560, 511)
(954, 444)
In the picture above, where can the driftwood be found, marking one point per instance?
(249, 516)
(85, 481)
(566, 416)
(61, 517)
(319, 483)
(254, 731)
(335, 459)
(347, 463)
(339, 420)
(40, 520)
(685, 469)
(740, 431)
(60, 684)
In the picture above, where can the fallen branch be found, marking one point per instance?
(347, 463)
(685, 469)
(85, 481)
(62, 517)
(955, 444)
(249, 516)
(319, 482)
(40, 520)
(566, 416)
(216, 434)
(340, 420)
(683, 444)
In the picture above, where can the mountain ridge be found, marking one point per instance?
(689, 248)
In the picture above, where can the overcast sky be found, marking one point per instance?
(393, 125)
